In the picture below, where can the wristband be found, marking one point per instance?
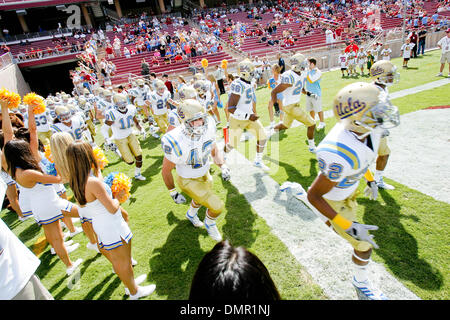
(369, 176)
(240, 115)
(341, 222)
(173, 191)
(308, 93)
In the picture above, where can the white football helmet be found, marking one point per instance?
(120, 102)
(160, 87)
(201, 86)
(361, 107)
(63, 114)
(385, 72)
(189, 111)
(298, 62)
(140, 83)
(187, 92)
(246, 70)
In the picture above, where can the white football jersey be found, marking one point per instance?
(361, 57)
(343, 59)
(352, 57)
(343, 158)
(76, 128)
(159, 103)
(141, 94)
(123, 122)
(43, 121)
(174, 118)
(191, 157)
(292, 94)
(247, 96)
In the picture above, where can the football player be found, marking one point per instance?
(205, 97)
(343, 157)
(384, 74)
(242, 108)
(65, 122)
(121, 120)
(88, 110)
(187, 149)
(158, 101)
(186, 92)
(292, 86)
(141, 93)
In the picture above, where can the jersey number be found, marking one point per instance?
(129, 121)
(298, 88)
(160, 104)
(76, 134)
(41, 121)
(194, 160)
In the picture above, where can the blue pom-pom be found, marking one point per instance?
(50, 169)
(110, 178)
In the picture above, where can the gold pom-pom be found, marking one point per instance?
(12, 98)
(121, 187)
(36, 101)
(48, 153)
(224, 63)
(204, 62)
(100, 157)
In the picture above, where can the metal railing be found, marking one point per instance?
(16, 58)
(6, 60)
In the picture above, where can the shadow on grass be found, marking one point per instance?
(173, 265)
(48, 261)
(398, 248)
(30, 232)
(11, 219)
(239, 218)
(91, 294)
(295, 176)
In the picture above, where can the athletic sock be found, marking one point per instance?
(192, 212)
(137, 171)
(311, 142)
(258, 157)
(361, 273)
(209, 221)
(378, 175)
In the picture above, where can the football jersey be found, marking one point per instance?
(344, 159)
(361, 57)
(174, 118)
(75, 130)
(246, 92)
(292, 94)
(352, 58)
(159, 103)
(191, 157)
(43, 121)
(123, 122)
(343, 60)
(141, 94)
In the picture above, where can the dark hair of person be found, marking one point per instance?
(18, 155)
(312, 60)
(24, 134)
(229, 273)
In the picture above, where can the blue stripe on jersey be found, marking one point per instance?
(339, 153)
(344, 149)
(174, 144)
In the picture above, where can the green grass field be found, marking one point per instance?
(412, 236)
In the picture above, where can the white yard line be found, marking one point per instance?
(420, 152)
(324, 254)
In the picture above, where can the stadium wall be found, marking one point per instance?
(11, 78)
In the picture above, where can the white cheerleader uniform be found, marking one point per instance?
(110, 228)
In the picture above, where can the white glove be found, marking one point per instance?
(314, 96)
(151, 120)
(177, 197)
(371, 190)
(226, 173)
(361, 232)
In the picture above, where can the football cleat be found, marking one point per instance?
(140, 177)
(260, 164)
(365, 291)
(321, 125)
(213, 232)
(195, 220)
(383, 185)
(312, 149)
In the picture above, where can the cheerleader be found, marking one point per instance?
(113, 233)
(22, 162)
(272, 83)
